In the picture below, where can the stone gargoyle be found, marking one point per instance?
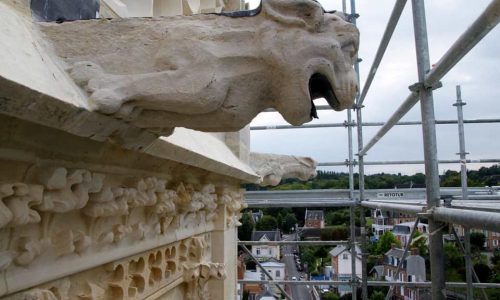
(212, 72)
(273, 168)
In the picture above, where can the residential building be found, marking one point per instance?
(402, 231)
(266, 252)
(257, 216)
(412, 270)
(492, 239)
(385, 220)
(314, 219)
(258, 291)
(277, 272)
(342, 266)
(253, 289)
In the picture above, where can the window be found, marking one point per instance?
(258, 251)
(270, 251)
(278, 274)
(495, 243)
(345, 256)
(409, 278)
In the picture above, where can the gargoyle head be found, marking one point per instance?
(314, 55)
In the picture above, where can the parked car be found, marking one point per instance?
(294, 278)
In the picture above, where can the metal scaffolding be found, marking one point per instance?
(471, 211)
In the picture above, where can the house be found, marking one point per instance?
(342, 266)
(266, 252)
(267, 295)
(253, 289)
(385, 220)
(314, 219)
(277, 272)
(257, 216)
(258, 291)
(412, 270)
(402, 231)
(492, 239)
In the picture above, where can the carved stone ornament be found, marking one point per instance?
(274, 167)
(212, 72)
(140, 276)
(60, 219)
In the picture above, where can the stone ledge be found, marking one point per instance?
(34, 88)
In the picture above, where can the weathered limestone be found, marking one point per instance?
(272, 168)
(146, 72)
(63, 221)
(93, 205)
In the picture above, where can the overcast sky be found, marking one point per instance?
(478, 74)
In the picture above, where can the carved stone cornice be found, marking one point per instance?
(67, 220)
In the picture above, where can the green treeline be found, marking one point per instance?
(485, 176)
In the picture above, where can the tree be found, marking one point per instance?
(279, 221)
(267, 223)
(483, 272)
(419, 242)
(246, 228)
(330, 296)
(477, 240)
(385, 243)
(289, 222)
(377, 295)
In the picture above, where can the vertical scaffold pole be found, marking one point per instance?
(361, 169)
(430, 151)
(352, 208)
(463, 177)
(352, 218)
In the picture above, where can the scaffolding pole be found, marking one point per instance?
(306, 243)
(408, 162)
(389, 30)
(369, 124)
(463, 179)
(430, 150)
(427, 284)
(479, 29)
(354, 277)
(467, 252)
(469, 218)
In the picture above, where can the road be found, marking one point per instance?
(299, 292)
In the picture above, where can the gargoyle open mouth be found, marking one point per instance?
(320, 87)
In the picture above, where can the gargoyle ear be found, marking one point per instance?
(305, 13)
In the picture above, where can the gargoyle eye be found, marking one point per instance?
(349, 48)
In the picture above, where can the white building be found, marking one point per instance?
(266, 252)
(402, 231)
(342, 266)
(277, 272)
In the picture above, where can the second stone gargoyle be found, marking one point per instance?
(212, 72)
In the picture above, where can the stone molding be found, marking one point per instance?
(63, 221)
(140, 276)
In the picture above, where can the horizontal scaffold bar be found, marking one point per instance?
(370, 124)
(408, 162)
(370, 283)
(308, 243)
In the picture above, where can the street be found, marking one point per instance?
(298, 292)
